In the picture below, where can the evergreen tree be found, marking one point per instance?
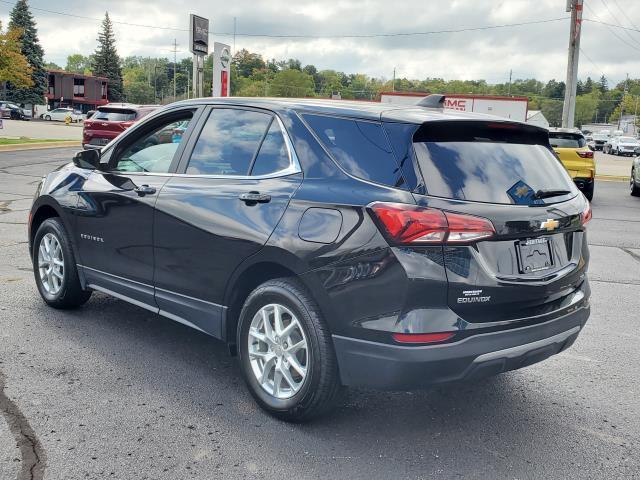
(603, 84)
(22, 19)
(106, 62)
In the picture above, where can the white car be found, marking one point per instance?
(622, 145)
(60, 115)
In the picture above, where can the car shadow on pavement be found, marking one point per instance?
(166, 360)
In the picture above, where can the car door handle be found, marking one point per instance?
(143, 190)
(255, 197)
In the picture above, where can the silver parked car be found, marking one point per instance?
(634, 181)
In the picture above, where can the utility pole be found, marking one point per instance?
(635, 118)
(234, 35)
(569, 107)
(393, 85)
(510, 77)
(624, 97)
(175, 50)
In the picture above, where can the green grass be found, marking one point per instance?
(19, 141)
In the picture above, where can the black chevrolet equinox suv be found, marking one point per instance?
(328, 243)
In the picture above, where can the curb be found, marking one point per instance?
(39, 146)
(613, 178)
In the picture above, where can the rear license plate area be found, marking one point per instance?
(534, 255)
(99, 141)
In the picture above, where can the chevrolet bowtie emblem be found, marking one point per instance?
(549, 224)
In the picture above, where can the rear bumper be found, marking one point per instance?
(394, 367)
(583, 183)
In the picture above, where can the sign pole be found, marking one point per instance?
(199, 46)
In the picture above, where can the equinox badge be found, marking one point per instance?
(549, 224)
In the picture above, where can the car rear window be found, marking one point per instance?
(360, 147)
(566, 140)
(111, 115)
(482, 164)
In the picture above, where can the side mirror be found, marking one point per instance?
(89, 159)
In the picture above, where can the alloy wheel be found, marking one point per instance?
(278, 351)
(51, 264)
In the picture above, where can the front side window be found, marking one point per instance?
(229, 142)
(154, 151)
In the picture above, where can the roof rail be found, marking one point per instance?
(433, 101)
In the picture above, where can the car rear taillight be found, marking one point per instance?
(88, 124)
(422, 337)
(410, 224)
(586, 215)
(126, 125)
(588, 154)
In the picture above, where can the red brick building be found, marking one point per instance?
(82, 92)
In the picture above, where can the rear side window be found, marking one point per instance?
(273, 155)
(504, 168)
(566, 140)
(115, 115)
(229, 142)
(361, 148)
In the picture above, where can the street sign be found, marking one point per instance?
(221, 85)
(198, 35)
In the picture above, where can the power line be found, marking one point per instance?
(592, 62)
(617, 20)
(609, 25)
(624, 13)
(268, 35)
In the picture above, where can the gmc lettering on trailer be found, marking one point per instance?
(455, 104)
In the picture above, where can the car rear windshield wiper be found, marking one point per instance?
(550, 193)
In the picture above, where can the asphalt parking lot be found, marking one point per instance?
(112, 391)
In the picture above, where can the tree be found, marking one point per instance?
(246, 62)
(78, 63)
(22, 20)
(14, 66)
(52, 66)
(586, 106)
(552, 110)
(106, 62)
(291, 83)
(553, 89)
(602, 84)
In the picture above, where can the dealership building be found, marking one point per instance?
(81, 92)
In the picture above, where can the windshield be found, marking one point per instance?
(599, 136)
(628, 140)
(507, 173)
(566, 140)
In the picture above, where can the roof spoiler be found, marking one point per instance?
(433, 101)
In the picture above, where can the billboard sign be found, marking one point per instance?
(198, 35)
(221, 70)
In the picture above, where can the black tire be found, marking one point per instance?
(321, 388)
(635, 190)
(588, 191)
(47, 118)
(71, 294)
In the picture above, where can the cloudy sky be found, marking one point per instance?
(535, 50)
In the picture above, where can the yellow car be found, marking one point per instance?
(577, 158)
